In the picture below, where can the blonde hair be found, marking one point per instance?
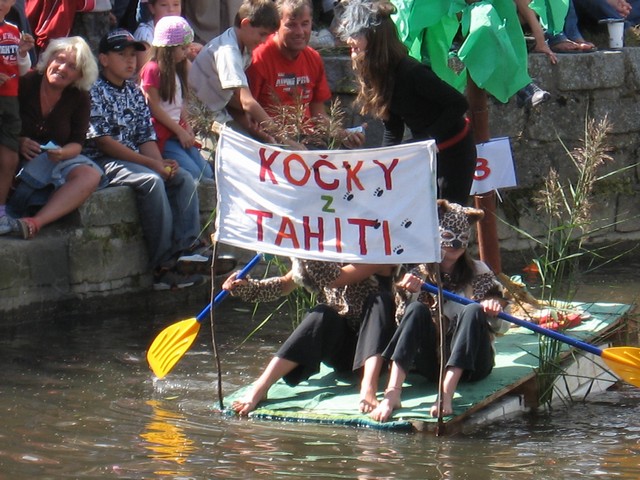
(85, 61)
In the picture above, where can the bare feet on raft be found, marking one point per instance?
(368, 400)
(245, 406)
(447, 407)
(389, 403)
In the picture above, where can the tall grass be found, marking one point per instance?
(565, 205)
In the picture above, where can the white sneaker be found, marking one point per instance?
(195, 258)
(6, 224)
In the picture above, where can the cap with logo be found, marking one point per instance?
(119, 39)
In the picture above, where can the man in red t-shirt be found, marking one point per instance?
(285, 70)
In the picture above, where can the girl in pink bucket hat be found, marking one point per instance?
(164, 82)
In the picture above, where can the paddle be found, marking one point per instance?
(624, 361)
(173, 342)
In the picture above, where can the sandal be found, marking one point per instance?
(566, 46)
(26, 227)
(585, 45)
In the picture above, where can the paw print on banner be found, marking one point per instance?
(398, 250)
(348, 196)
(378, 192)
(406, 223)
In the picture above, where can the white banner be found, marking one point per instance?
(353, 206)
(494, 166)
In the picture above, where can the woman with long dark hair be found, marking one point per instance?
(401, 92)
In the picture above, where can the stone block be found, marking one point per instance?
(627, 218)
(33, 271)
(632, 63)
(207, 196)
(111, 205)
(593, 71)
(104, 255)
(622, 110)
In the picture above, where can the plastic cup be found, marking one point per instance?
(616, 32)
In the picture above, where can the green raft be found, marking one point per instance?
(328, 398)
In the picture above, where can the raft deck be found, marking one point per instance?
(329, 398)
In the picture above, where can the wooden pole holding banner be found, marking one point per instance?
(488, 243)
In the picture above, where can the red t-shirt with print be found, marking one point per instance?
(276, 80)
(9, 45)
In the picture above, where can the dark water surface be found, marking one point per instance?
(78, 401)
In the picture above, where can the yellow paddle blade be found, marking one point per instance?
(170, 345)
(625, 362)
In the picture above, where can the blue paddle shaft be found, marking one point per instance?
(522, 323)
(225, 293)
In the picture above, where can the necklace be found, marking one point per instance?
(48, 99)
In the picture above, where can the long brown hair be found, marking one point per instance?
(168, 69)
(376, 65)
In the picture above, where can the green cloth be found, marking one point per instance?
(552, 14)
(493, 53)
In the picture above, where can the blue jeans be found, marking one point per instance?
(570, 31)
(595, 10)
(189, 159)
(169, 211)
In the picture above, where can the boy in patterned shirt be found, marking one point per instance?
(14, 62)
(122, 140)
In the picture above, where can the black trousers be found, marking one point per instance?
(456, 166)
(324, 336)
(415, 343)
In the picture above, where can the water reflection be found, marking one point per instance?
(165, 439)
(78, 401)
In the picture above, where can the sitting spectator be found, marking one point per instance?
(592, 11)
(531, 20)
(164, 82)
(121, 139)
(54, 109)
(14, 62)
(92, 21)
(532, 95)
(144, 32)
(570, 40)
(285, 70)
(217, 76)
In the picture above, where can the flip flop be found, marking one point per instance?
(566, 46)
(587, 47)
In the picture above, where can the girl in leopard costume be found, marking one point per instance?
(469, 329)
(348, 329)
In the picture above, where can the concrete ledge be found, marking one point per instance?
(95, 252)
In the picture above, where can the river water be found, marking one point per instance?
(78, 401)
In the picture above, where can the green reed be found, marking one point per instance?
(565, 205)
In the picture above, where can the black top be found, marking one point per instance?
(427, 105)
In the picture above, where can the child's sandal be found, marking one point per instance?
(28, 227)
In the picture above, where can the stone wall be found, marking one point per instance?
(95, 258)
(593, 85)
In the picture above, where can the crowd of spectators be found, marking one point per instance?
(65, 134)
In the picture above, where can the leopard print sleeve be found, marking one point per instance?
(254, 291)
(320, 274)
(484, 283)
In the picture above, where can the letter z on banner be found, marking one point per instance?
(356, 206)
